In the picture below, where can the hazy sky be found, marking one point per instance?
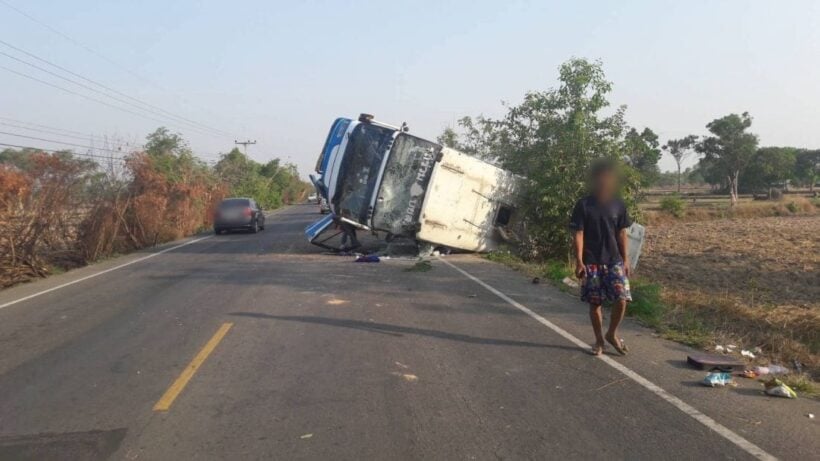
(280, 72)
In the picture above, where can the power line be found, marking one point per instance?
(82, 137)
(107, 88)
(102, 93)
(23, 122)
(81, 45)
(35, 138)
(44, 82)
(88, 49)
(17, 146)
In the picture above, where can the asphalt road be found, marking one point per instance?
(260, 346)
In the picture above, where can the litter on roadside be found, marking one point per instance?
(778, 388)
(770, 370)
(368, 259)
(569, 282)
(715, 362)
(747, 354)
(718, 379)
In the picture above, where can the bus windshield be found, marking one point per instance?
(363, 156)
(404, 184)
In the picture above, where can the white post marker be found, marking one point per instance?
(724, 431)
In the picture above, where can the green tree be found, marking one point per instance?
(731, 147)
(807, 167)
(770, 166)
(642, 153)
(680, 150)
(448, 138)
(552, 138)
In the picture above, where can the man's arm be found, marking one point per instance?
(623, 246)
(578, 240)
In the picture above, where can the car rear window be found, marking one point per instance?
(235, 202)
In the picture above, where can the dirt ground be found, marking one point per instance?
(755, 282)
(764, 261)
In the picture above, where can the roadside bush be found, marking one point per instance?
(40, 206)
(673, 205)
(647, 304)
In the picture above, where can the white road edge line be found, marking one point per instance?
(727, 433)
(90, 276)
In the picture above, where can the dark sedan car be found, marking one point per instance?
(238, 213)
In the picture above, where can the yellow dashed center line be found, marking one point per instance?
(176, 388)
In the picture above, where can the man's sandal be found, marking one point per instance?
(618, 344)
(596, 349)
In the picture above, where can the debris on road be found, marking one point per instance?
(367, 259)
(718, 379)
(306, 436)
(571, 283)
(421, 266)
(770, 370)
(778, 388)
(715, 362)
(406, 376)
(810, 415)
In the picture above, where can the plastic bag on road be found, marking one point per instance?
(718, 379)
(778, 388)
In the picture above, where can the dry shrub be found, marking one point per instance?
(39, 209)
(151, 208)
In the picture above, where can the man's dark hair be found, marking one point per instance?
(602, 166)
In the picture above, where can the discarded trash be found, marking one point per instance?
(715, 362)
(411, 378)
(730, 347)
(747, 354)
(778, 388)
(568, 281)
(758, 350)
(719, 348)
(306, 436)
(367, 259)
(718, 379)
(798, 367)
(536, 280)
(810, 415)
(751, 374)
(472, 295)
(770, 370)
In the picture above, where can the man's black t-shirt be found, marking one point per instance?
(601, 223)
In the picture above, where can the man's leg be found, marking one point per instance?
(618, 312)
(597, 319)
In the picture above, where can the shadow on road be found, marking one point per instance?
(398, 330)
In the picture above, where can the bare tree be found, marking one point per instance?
(680, 150)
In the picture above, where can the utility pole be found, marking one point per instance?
(245, 144)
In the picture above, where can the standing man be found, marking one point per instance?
(599, 222)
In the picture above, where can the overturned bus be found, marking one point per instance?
(381, 179)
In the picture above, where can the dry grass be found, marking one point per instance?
(749, 281)
(719, 208)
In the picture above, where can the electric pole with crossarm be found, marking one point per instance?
(245, 144)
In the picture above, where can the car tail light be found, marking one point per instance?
(248, 211)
